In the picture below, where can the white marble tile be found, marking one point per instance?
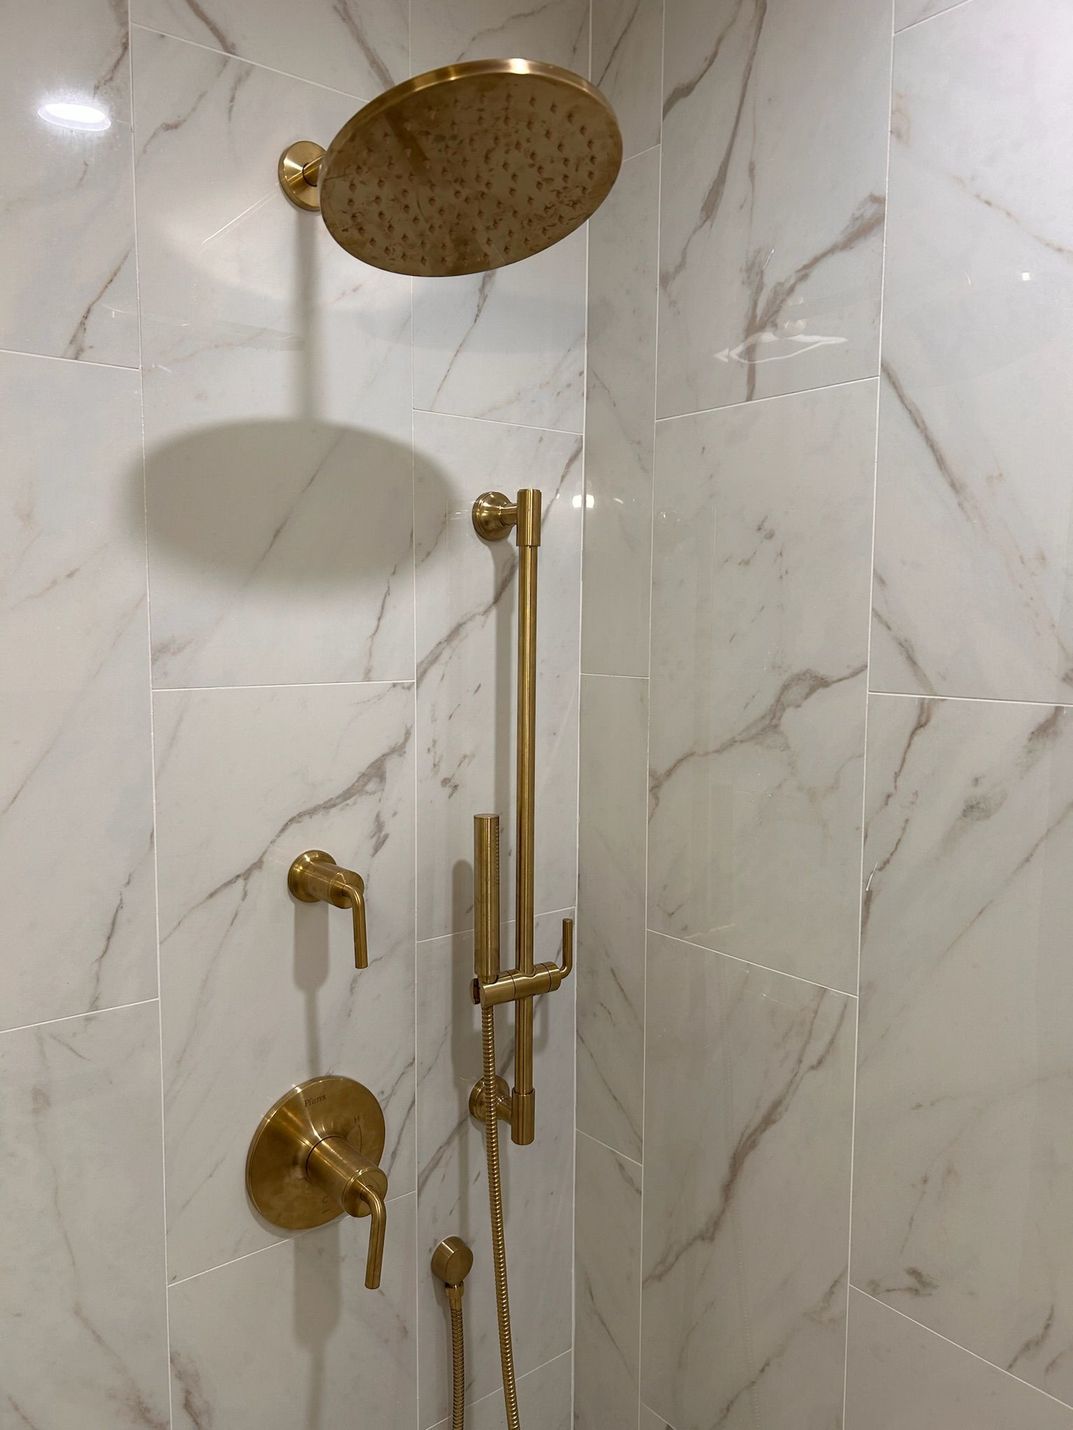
(292, 1337)
(358, 46)
(963, 1176)
(607, 1287)
(748, 1116)
(507, 345)
(619, 414)
(627, 62)
(760, 598)
(901, 1377)
(651, 1421)
(277, 395)
(611, 911)
(973, 525)
(452, 1181)
(81, 1239)
(75, 769)
(67, 230)
(443, 32)
(259, 991)
(543, 1401)
(909, 12)
(466, 638)
(774, 153)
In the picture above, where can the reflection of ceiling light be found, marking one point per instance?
(789, 347)
(590, 501)
(72, 114)
(1026, 277)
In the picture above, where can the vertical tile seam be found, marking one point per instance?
(867, 684)
(416, 1303)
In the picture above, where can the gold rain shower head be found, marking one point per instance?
(462, 169)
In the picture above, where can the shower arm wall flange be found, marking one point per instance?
(299, 173)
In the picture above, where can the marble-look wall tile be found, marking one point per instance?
(544, 1400)
(774, 152)
(81, 1238)
(963, 1178)
(760, 601)
(75, 768)
(748, 1117)
(909, 12)
(607, 1288)
(452, 1180)
(67, 237)
(508, 345)
(358, 46)
(259, 991)
(290, 1336)
(651, 1421)
(445, 32)
(901, 1375)
(627, 61)
(611, 911)
(974, 583)
(620, 410)
(277, 394)
(467, 592)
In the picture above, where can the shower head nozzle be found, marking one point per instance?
(462, 169)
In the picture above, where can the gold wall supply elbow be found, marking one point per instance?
(315, 877)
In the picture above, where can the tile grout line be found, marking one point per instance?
(497, 421)
(750, 963)
(773, 397)
(926, 19)
(74, 362)
(974, 699)
(608, 1148)
(416, 794)
(70, 1017)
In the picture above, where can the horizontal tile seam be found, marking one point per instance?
(242, 59)
(89, 363)
(610, 675)
(498, 422)
(975, 699)
(926, 20)
(71, 1017)
(608, 1148)
(491, 1394)
(751, 963)
(640, 153)
(959, 1347)
(774, 397)
(285, 685)
(460, 933)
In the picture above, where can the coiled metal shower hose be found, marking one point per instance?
(458, 1359)
(495, 1209)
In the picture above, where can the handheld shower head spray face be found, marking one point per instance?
(470, 167)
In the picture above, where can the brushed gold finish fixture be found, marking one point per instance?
(462, 169)
(451, 1263)
(315, 1155)
(315, 877)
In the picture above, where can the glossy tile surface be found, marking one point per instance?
(973, 585)
(277, 401)
(508, 345)
(774, 152)
(358, 46)
(75, 768)
(67, 237)
(607, 1289)
(247, 780)
(292, 1336)
(627, 53)
(447, 31)
(466, 637)
(620, 409)
(963, 1124)
(543, 1401)
(81, 1240)
(452, 1180)
(910, 12)
(749, 1080)
(760, 598)
(901, 1377)
(611, 911)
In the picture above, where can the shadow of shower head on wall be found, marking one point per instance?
(462, 169)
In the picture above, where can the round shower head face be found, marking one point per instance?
(470, 167)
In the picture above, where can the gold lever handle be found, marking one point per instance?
(357, 1186)
(315, 877)
(514, 985)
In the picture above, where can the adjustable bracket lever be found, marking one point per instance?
(514, 985)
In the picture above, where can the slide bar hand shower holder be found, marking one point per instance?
(494, 516)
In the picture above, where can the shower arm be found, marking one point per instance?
(494, 515)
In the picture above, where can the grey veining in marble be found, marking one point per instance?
(611, 911)
(452, 1181)
(619, 416)
(247, 780)
(759, 610)
(290, 1336)
(963, 1176)
(749, 1081)
(277, 395)
(81, 1238)
(67, 210)
(902, 1377)
(466, 639)
(973, 525)
(508, 345)
(607, 1287)
(543, 1401)
(358, 46)
(627, 62)
(75, 767)
(774, 151)
(447, 31)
